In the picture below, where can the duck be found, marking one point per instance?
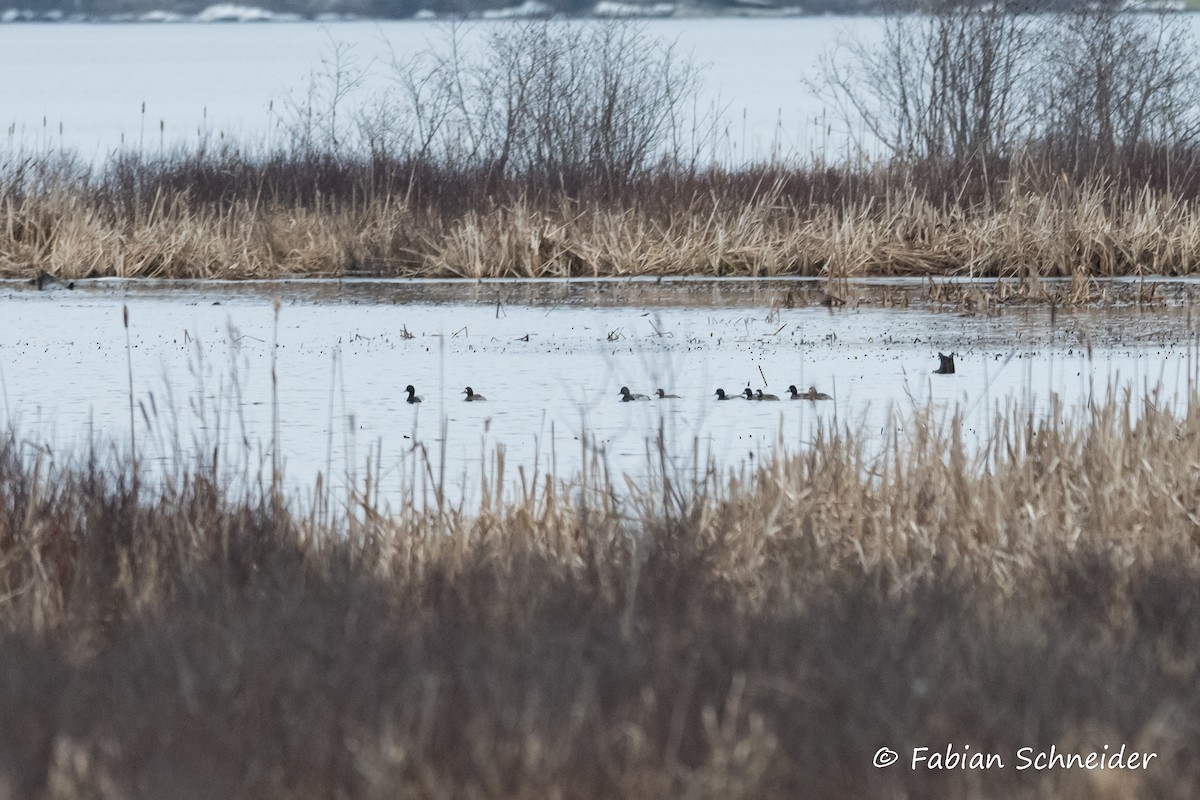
(722, 396)
(945, 365)
(748, 393)
(760, 396)
(664, 396)
(811, 394)
(44, 280)
(471, 396)
(628, 396)
(413, 397)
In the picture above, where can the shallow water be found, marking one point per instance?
(550, 357)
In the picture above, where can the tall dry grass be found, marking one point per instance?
(760, 636)
(243, 217)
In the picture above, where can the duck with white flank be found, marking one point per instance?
(413, 397)
(471, 396)
(628, 396)
(664, 396)
(760, 396)
(722, 396)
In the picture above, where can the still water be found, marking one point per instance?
(97, 88)
(550, 357)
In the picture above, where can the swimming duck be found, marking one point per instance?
(722, 396)
(664, 396)
(627, 396)
(748, 393)
(471, 396)
(44, 280)
(413, 397)
(811, 394)
(945, 365)
(760, 396)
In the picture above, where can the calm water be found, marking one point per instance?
(550, 358)
(83, 86)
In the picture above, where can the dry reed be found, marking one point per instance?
(751, 224)
(755, 637)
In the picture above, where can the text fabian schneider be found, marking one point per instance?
(1030, 758)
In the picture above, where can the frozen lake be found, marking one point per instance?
(84, 86)
(550, 357)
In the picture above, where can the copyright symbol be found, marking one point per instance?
(885, 757)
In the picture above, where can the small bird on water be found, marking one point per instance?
(627, 396)
(811, 394)
(471, 396)
(760, 396)
(413, 397)
(664, 396)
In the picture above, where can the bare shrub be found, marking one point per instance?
(963, 81)
(602, 101)
(318, 120)
(1112, 82)
(944, 83)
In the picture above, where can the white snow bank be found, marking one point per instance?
(530, 9)
(232, 12)
(614, 10)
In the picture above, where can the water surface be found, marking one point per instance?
(550, 357)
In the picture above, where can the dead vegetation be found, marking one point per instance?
(704, 225)
(548, 149)
(760, 637)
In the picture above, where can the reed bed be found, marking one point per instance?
(759, 635)
(239, 218)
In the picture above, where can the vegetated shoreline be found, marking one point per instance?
(582, 150)
(232, 215)
(761, 637)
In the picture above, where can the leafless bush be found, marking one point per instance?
(964, 81)
(945, 83)
(600, 101)
(1112, 82)
(318, 120)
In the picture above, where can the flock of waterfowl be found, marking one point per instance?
(793, 394)
(945, 367)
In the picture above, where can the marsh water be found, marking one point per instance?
(215, 365)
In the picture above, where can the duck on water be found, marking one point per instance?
(413, 397)
(628, 396)
(811, 394)
(471, 396)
